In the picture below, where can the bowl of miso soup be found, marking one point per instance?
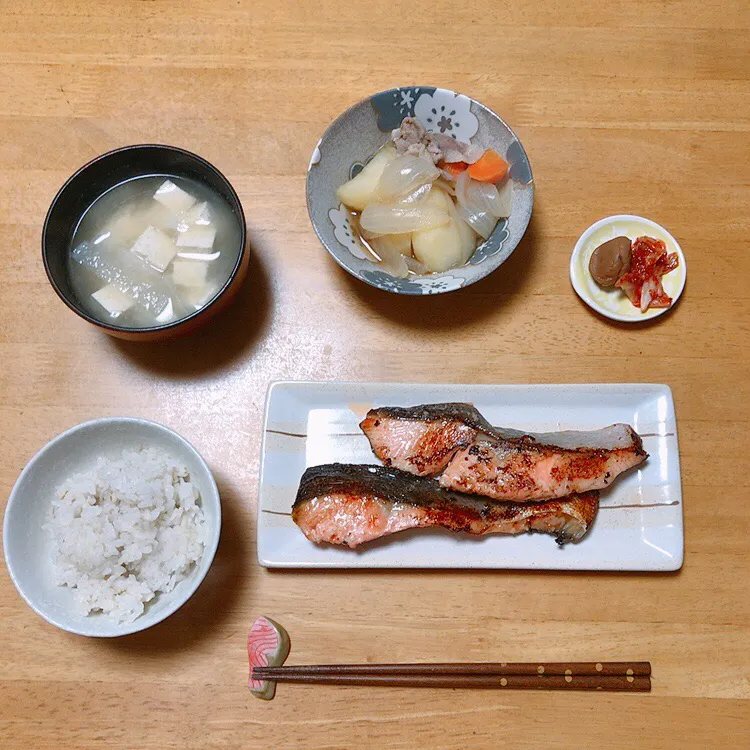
(146, 242)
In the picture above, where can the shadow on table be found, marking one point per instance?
(459, 308)
(220, 342)
(201, 616)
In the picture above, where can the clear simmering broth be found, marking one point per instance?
(153, 250)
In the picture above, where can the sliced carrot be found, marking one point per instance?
(455, 167)
(489, 167)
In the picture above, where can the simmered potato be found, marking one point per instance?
(360, 190)
(440, 248)
(443, 247)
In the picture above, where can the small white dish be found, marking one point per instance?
(638, 527)
(613, 303)
(28, 548)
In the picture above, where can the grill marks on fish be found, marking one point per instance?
(523, 471)
(353, 504)
(502, 464)
(423, 439)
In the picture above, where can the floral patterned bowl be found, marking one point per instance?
(354, 136)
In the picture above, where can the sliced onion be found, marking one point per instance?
(446, 187)
(505, 200)
(405, 174)
(466, 232)
(390, 249)
(481, 222)
(479, 196)
(477, 205)
(462, 181)
(369, 252)
(401, 218)
(485, 194)
(416, 195)
(469, 239)
(420, 269)
(473, 153)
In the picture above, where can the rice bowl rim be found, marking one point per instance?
(192, 581)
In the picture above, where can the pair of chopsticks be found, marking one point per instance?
(625, 676)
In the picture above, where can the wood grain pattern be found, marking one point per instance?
(622, 106)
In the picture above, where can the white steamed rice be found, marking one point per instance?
(125, 531)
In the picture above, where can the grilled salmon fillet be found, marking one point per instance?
(423, 439)
(353, 504)
(502, 464)
(527, 469)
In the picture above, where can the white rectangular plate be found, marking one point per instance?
(639, 525)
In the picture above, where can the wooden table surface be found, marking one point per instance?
(634, 106)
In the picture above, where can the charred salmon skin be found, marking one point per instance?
(353, 504)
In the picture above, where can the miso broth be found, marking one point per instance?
(153, 250)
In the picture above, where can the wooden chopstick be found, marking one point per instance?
(594, 669)
(623, 676)
(629, 683)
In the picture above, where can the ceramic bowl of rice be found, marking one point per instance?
(111, 527)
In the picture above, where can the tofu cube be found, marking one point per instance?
(197, 236)
(173, 197)
(123, 229)
(159, 216)
(198, 214)
(127, 225)
(113, 300)
(156, 248)
(198, 296)
(189, 272)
